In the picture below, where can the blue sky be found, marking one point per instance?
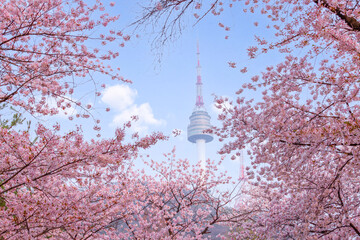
(163, 89)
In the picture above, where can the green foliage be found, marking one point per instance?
(14, 121)
(2, 202)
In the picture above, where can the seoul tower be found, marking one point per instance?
(199, 119)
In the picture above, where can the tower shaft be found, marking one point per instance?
(201, 149)
(242, 169)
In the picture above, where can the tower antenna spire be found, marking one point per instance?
(199, 98)
(198, 54)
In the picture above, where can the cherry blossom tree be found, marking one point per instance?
(61, 186)
(180, 201)
(52, 185)
(45, 45)
(303, 135)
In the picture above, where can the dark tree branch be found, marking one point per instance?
(353, 23)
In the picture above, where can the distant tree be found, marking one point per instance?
(304, 135)
(180, 201)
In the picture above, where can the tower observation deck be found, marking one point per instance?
(199, 119)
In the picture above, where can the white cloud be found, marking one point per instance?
(145, 114)
(121, 98)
